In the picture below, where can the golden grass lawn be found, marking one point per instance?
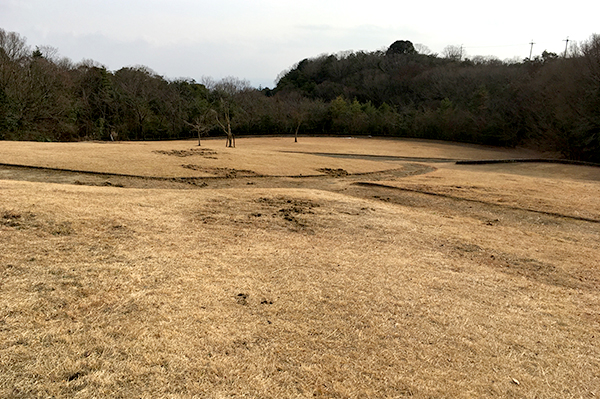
(467, 281)
(270, 156)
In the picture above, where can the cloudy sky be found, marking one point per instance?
(257, 39)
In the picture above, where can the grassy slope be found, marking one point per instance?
(111, 292)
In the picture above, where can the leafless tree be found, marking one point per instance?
(224, 110)
(296, 110)
(455, 53)
(13, 47)
(201, 124)
(223, 118)
(422, 49)
(590, 50)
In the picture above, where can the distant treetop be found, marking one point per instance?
(401, 47)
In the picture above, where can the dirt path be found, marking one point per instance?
(329, 179)
(362, 185)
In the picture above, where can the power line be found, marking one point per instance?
(498, 45)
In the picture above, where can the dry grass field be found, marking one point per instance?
(281, 270)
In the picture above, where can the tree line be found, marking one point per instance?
(550, 102)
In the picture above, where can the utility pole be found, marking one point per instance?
(566, 45)
(531, 50)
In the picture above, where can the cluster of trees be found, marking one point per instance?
(44, 97)
(550, 101)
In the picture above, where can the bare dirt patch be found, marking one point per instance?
(200, 151)
(410, 280)
(334, 171)
(289, 209)
(222, 172)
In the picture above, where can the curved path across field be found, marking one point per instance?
(230, 177)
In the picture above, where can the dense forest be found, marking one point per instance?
(549, 102)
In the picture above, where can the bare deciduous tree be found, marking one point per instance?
(13, 46)
(224, 109)
(201, 124)
(422, 49)
(224, 121)
(455, 53)
(296, 109)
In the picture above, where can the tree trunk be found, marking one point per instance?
(296, 133)
(226, 126)
(230, 139)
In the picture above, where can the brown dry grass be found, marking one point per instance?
(462, 282)
(269, 156)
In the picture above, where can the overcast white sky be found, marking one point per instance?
(257, 39)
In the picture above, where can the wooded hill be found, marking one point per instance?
(550, 102)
